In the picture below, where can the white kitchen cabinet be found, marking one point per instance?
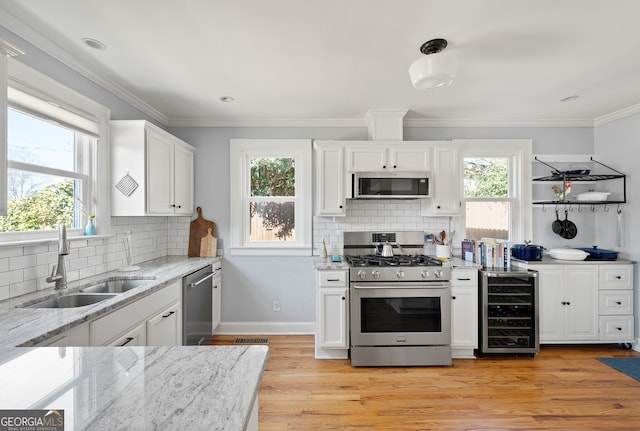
(616, 317)
(445, 183)
(161, 165)
(76, 336)
(216, 299)
(135, 336)
(139, 321)
(380, 156)
(330, 179)
(332, 314)
(568, 306)
(162, 329)
(464, 312)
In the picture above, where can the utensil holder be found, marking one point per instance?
(443, 251)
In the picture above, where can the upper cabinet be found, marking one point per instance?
(330, 179)
(374, 156)
(151, 171)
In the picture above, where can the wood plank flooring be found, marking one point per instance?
(563, 388)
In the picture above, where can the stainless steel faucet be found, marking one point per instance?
(59, 273)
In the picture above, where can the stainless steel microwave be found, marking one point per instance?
(390, 185)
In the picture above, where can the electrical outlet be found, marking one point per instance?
(276, 304)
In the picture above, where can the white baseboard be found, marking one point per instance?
(265, 328)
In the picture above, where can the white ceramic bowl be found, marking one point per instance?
(567, 254)
(593, 196)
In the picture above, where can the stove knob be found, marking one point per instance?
(425, 274)
(375, 274)
(400, 273)
(438, 274)
(362, 274)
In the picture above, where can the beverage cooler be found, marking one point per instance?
(508, 312)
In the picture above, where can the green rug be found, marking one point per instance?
(629, 366)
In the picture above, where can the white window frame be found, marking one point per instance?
(518, 152)
(34, 83)
(241, 151)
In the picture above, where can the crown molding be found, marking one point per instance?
(616, 115)
(472, 122)
(13, 24)
(265, 122)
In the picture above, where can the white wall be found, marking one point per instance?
(617, 145)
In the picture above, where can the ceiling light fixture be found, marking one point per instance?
(226, 99)
(435, 69)
(92, 43)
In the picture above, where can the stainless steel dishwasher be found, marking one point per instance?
(196, 306)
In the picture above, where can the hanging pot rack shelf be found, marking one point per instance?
(560, 176)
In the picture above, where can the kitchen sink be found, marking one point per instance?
(115, 285)
(72, 300)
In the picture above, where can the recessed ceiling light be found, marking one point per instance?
(92, 43)
(226, 99)
(569, 98)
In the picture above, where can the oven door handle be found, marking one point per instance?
(395, 286)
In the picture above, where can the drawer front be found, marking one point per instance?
(332, 278)
(616, 276)
(464, 278)
(616, 302)
(616, 328)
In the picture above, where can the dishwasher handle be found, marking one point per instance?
(202, 280)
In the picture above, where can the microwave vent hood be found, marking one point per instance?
(390, 185)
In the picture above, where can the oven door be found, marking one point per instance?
(410, 314)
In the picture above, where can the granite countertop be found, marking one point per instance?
(547, 260)
(325, 263)
(136, 388)
(28, 326)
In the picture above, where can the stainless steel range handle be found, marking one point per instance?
(396, 286)
(202, 280)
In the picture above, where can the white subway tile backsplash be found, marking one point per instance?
(23, 269)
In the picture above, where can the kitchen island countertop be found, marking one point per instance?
(137, 388)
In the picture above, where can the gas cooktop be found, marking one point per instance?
(376, 260)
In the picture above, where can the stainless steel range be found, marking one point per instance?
(400, 301)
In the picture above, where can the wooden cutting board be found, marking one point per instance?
(199, 229)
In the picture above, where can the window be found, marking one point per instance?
(53, 158)
(497, 203)
(48, 176)
(270, 196)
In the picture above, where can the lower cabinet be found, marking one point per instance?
(464, 312)
(155, 320)
(585, 302)
(332, 314)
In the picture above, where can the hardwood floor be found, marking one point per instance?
(563, 388)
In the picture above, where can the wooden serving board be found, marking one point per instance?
(199, 229)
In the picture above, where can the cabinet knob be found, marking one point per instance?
(179, 206)
(394, 166)
(343, 298)
(568, 303)
(453, 297)
(618, 277)
(384, 166)
(340, 206)
(618, 302)
(619, 328)
(438, 207)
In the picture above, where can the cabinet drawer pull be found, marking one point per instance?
(333, 279)
(129, 339)
(170, 313)
(464, 279)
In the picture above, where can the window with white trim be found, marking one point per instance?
(51, 158)
(496, 194)
(270, 196)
